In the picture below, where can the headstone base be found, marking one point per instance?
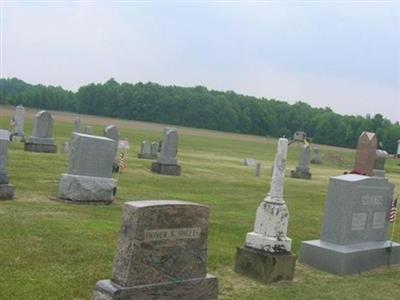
(87, 189)
(45, 148)
(147, 156)
(300, 174)
(351, 259)
(198, 288)
(263, 266)
(7, 191)
(164, 169)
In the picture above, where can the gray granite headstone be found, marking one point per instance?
(42, 135)
(303, 169)
(6, 189)
(112, 132)
(161, 254)
(355, 231)
(17, 122)
(89, 177)
(167, 162)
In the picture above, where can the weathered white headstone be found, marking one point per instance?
(6, 189)
(162, 254)
(42, 135)
(167, 162)
(89, 177)
(266, 255)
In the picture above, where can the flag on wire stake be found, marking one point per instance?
(393, 211)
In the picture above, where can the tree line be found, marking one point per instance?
(203, 108)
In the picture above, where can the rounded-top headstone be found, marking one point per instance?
(366, 154)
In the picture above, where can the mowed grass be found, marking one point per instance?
(52, 250)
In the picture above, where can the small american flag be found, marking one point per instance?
(121, 162)
(393, 211)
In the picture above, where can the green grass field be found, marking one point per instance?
(52, 250)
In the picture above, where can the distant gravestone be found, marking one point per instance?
(112, 132)
(356, 227)
(316, 159)
(42, 135)
(77, 124)
(7, 190)
(162, 254)
(123, 145)
(89, 177)
(379, 164)
(303, 169)
(299, 136)
(250, 162)
(398, 149)
(88, 129)
(167, 162)
(154, 149)
(17, 124)
(258, 169)
(366, 154)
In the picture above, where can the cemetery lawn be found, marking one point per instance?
(52, 250)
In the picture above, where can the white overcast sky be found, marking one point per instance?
(345, 55)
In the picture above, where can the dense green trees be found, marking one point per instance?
(203, 108)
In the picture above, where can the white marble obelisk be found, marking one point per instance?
(272, 215)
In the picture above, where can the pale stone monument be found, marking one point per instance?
(267, 255)
(77, 124)
(355, 230)
(148, 151)
(17, 124)
(42, 135)
(316, 159)
(161, 254)
(7, 190)
(167, 162)
(366, 154)
(89, 177)
(303, 169)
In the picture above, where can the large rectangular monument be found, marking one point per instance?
(162, 254)
(7, 190)
(356, 225)
(266, 255)
(89, 177)
(167, 162)
(42, 135)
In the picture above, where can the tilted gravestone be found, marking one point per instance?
(17, 124)
(366, 154)
(7, 190)
(303, 169)
(162, 254)
(266, 255)
(167, 162)
(42, 135)
(89, 177)
(356, 224)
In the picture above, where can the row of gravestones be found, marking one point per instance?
(162, 248)
(162, 245)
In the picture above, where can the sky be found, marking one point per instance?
(339, 54)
